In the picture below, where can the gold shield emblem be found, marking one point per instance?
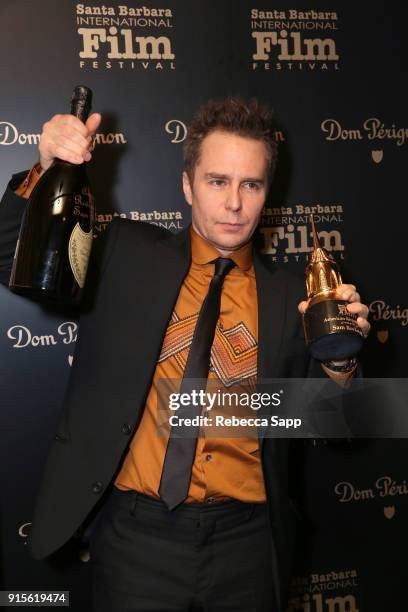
(377, 155)
(389, 512)
(382, 335)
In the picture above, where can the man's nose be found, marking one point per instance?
(234, 199)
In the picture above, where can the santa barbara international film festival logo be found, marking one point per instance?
(123, 37)
(287, 235)
(332, 591)
(294, 40)
(169, 219)
(373, 131)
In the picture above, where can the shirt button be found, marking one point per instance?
(210, 500)
(208, 457)
(126, 429)
(97, 487)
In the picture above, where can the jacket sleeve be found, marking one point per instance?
(12, 209)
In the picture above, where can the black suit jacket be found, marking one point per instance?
(134, 279)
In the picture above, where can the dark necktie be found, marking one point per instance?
(180, 452)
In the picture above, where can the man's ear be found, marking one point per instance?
(188, 194)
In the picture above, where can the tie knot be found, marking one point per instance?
(222, 266)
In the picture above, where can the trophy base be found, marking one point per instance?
(331, 331)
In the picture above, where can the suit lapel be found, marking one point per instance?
(161, 276)
(272, 297)
(167, 271)
(174, 255)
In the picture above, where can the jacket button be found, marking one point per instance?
(97, 487)
(126, 429)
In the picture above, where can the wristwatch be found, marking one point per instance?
(349, 365)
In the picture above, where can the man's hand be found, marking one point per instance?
(66, 137)
(349, 293)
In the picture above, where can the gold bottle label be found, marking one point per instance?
(79, 249)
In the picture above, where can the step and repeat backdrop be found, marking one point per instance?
(334, 73)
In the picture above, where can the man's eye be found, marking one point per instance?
(251, 185)
(217, 182)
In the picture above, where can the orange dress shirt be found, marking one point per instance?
(225, 467)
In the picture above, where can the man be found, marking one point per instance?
(186, 524)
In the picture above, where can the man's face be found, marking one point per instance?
(229, 189)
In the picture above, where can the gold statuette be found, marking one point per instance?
(331, 331)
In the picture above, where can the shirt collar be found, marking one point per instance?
(202, 252)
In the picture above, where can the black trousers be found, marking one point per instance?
(199, 557)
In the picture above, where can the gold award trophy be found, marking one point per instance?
(331, 331)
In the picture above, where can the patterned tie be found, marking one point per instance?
(180, 452)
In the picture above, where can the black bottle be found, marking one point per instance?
(55, 240)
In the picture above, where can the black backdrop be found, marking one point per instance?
(334, 73)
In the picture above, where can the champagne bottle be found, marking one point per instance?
(55, 240)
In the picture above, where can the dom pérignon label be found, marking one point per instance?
(55, 239)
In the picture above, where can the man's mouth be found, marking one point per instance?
(232, 226)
